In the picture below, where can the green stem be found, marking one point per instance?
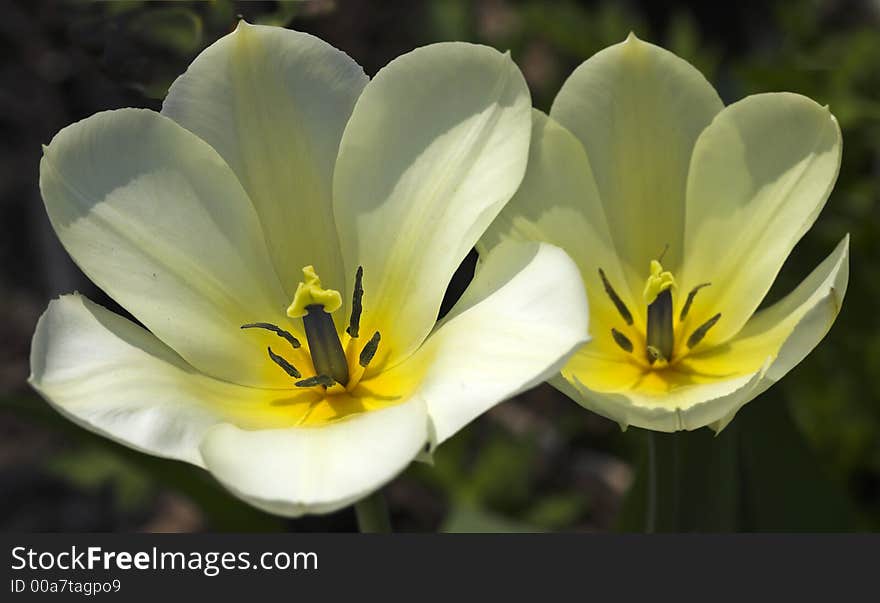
(665, 476)
(651, 504)
(372, 514)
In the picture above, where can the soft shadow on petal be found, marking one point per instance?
(317, 469)
(638, 110)
(274, 103)
(760, 175)
(157, 219)
(558, 203)
(790, 329)
(517, 324)
(112, 377)
(437, 144)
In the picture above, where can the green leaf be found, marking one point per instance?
(177, 29)
(785, 489)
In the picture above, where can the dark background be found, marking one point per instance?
(804, 456)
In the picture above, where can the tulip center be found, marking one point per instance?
(662, 333)
(335, 371)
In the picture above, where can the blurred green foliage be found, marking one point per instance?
(805, 456)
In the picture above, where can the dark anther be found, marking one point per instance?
(354, 324)
(660, 333)
(690, 300)
(697, 336)
(316, 380)
(275, 329)
(622, 340)
(288, 368)
(615, 299)
(370, 349)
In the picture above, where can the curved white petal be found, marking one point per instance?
(317, 469)
(760, 175)
(638, 110)
(518, 322)
(112, 377)
(771, 344)
(274, 102)
(154, 217)
(437, 144)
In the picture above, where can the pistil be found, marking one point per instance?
(658, 295)
(328, 356)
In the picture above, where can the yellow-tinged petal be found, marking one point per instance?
(112, 377)
(786, 331)
(154, 216)
(760, 175)
(274, 102)
(436, 145)
(638, 109)
(317, 470)
(709, 388)
(520, 319)
(558, 203)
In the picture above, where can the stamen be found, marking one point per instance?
(354, 324)
(615, 299)
(622, 340)
(325, 348)
(690, 300)
(275, 329)
(370, 349)
(288, 368)
(697, 336)
(316, 380)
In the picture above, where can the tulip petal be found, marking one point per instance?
(274, 103)
(317, 469)
(760, 175)
(520, 319)
(558, 203)
(154, 217)
(114, 378)
(788, 330)
(437, 144)
(638, 109)
(714, 385)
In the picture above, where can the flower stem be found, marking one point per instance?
(664, 483)
(372, 514)
(651, 503)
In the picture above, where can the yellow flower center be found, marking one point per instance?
(663, 336)
(337, 368)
